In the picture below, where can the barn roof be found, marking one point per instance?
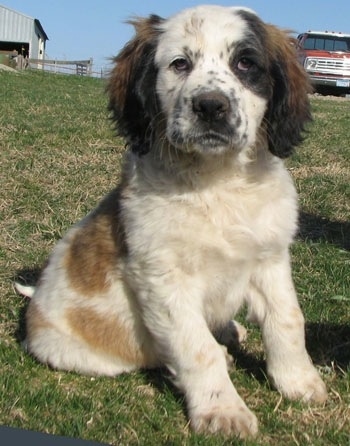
(41, 29)
(16, 13)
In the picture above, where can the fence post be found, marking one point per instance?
(90, 67)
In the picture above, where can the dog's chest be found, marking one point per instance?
(216, 230)
(247, 220)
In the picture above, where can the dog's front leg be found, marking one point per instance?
(273, 304)
(186, 346)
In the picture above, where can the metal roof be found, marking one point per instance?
(329, 33)
(17, 22)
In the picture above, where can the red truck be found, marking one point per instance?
(326, 58)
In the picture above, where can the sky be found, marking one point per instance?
(84, 29)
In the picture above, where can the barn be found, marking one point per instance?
(20, 35)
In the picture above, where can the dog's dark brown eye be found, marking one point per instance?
(244, 64)
(181, 65)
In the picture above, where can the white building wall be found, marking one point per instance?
(34, 47)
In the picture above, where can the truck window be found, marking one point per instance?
(327, 43)
(341, 45)
(309, 43)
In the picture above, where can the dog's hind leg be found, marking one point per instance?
(87, 340)
(63, 352)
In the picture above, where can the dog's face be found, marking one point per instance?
(209, 80)
(212, 84)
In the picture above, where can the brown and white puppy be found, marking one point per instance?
(209, 102)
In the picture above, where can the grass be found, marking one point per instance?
(58, 157)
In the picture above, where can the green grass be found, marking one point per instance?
(58, 157)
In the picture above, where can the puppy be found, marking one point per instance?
(209, 102)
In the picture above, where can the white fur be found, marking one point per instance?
(25, 290)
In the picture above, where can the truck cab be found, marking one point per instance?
(326, 58)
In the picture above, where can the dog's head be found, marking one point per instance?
(209, 80)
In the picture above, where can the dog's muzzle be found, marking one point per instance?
(211, 106)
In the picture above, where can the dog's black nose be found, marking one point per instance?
(210, 106)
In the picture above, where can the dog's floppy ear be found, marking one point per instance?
(289, 107)
(131, 87)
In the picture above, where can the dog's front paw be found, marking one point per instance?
(235, 420)
(301, 384)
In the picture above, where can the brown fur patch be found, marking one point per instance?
(204, 359)
(95, 249)
(282, 47)
(107, 335)
(128, 59)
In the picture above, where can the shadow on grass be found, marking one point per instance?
(27, 276)
(329, 344)
(318, 228)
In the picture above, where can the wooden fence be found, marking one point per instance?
(79, 67)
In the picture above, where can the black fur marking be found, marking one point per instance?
(288, 109)
(253, 48)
